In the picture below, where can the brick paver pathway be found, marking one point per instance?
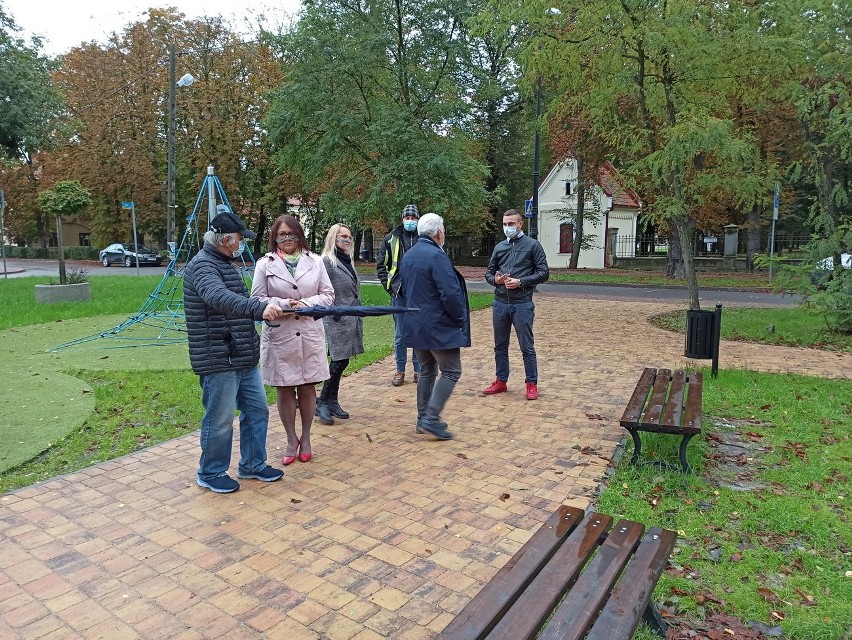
(385, 534)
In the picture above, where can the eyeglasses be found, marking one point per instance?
(289, 237)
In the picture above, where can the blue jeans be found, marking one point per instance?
(520, 316)
(432, 395)
(222, 394)
(399, 351)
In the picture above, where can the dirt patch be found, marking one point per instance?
(734, 454)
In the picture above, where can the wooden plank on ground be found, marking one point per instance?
(637, 401)
(578, 611)
(496, 597)
(623, 611)
(533, 607)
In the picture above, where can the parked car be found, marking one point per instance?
(824, 269)
(125, 254)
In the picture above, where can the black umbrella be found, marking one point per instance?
(318, 312)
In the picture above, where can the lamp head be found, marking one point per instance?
(185, 80)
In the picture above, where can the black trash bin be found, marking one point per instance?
(700, 331)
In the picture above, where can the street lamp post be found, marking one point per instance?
(184, 81)
(534, 207)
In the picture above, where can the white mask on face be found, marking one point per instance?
(240, 248)
(510, 232)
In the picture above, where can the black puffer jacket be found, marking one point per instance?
(219, 315)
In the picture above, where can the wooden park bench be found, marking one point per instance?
(576, 577)
(664, 402)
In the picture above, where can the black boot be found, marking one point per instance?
(323, 410)
(335, 408)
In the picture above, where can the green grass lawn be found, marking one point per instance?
(764, 536)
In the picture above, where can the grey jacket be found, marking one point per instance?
(345, 334)
(220, 316)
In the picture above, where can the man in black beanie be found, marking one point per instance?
(394, 246)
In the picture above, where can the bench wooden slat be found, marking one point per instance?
(496, 597)
(692, 418)
(654, 410)
(674, 407)
(622, 612)
(578, 611)
(637, 401)
(532, 608)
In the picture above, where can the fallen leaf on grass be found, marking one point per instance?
(736, 557)
(768, 595)
(806, 599)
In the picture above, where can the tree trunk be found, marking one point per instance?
(578, 218)
(674, 258)
(685, 231)
(753, 237)
(62, 276)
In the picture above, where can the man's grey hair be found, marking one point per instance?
(430, 224)
(216, 238)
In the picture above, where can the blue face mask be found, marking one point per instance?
(510, 232)
(409, 225)
(240, 249)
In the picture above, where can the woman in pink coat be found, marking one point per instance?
(292, 354)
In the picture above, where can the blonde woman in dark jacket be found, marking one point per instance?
(345, 334)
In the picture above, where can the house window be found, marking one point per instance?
(567, 187)
(84, 240)
(566, 237)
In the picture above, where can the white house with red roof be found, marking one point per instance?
(611, 212)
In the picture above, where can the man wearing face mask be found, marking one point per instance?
(441, 328)
(224, 350)
(394, 247)
(517, 265)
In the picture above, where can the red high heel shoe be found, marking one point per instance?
(285, 460)
(304, 457)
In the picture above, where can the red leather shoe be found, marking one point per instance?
(304, 457)
(498, 386)
(532, 391)
(285, 460)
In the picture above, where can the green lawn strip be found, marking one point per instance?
(38, 408)
(110, 294)
(750, 282)
(790, 326)
(783, 545)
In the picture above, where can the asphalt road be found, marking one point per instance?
(708, 297)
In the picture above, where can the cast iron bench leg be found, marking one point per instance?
(683, 463)
(654, 620)
(637, 446)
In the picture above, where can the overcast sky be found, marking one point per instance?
(66, 23)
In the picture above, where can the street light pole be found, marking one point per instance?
(534, 208)
(184, 81)
(170, 143)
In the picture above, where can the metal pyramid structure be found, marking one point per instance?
(161, 320)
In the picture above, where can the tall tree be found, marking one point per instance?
(371, 107)
(655, 80)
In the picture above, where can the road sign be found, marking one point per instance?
(777, 201)
(126, 205)
(528, 208)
